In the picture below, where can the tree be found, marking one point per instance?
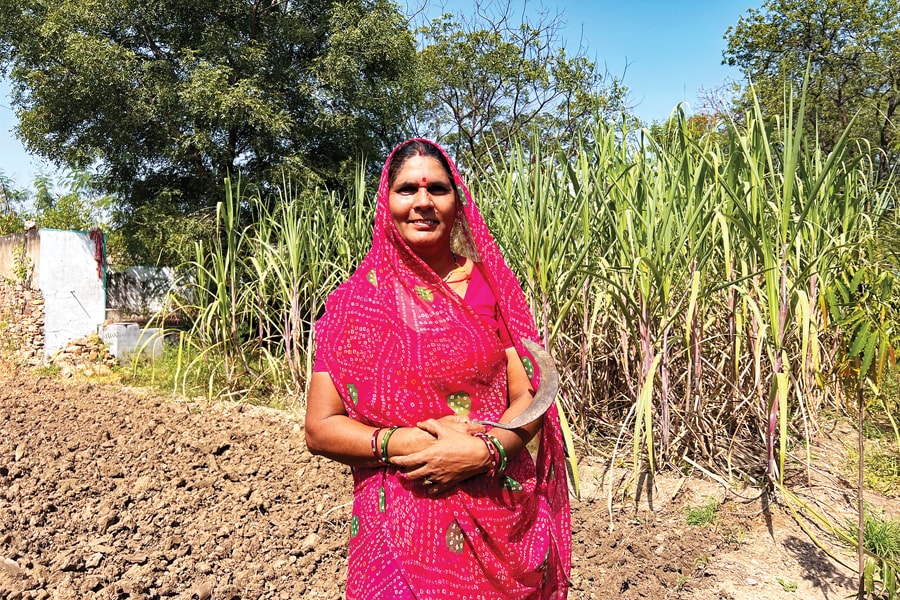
(488, 78)
(853, 48)
(71, 202)
(12, 219)
(65, 211)
(67, 203)
(165, 98)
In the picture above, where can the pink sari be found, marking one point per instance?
(402, 347)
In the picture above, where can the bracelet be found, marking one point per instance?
(375, 451)
(384, 444)
(492, 455)
(497, 454)
(502, 468)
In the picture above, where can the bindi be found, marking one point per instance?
(424, 181)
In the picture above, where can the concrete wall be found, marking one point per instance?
(124, 339)
(8, 246)
(65, 297)
(138, 291)
(74, 294)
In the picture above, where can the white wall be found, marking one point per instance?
(139, 291)
(74, 296)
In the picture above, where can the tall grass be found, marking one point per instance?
(254, 292)
(681, 282)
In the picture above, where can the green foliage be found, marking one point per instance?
(862, 301)
(77, 206)
(882, 536)
(883, 470)
(11, 222)
(153, 234)
(164, 372)
(12, 219)
(702, 515)
(853, 49)
(65, 211)
(166, 100)
(882, 466)
(51, 370)
(257, 287)
(701, 127)
(881, 539)
(489, 79)
(22, 264)
(786, 584)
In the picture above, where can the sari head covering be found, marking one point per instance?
(402, 347)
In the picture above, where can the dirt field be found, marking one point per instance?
(107, 492)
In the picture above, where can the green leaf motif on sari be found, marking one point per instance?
(372, 277)
(424, 293)
(529, 366)
(381, 501)
(511, 484)
(455, 538)
(460, 402)
(354, 393)
(354, 526)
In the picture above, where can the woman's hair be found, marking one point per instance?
(412, 148)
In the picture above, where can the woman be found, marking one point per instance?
(425, 337)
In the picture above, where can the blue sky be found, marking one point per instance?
(666, 52)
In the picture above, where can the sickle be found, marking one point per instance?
(543, 397)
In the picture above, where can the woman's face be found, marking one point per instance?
(422, 201)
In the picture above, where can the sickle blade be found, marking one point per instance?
(543, 397)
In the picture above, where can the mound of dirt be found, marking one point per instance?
(109, 492)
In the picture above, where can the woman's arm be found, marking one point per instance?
(521, 394)
(330, 432)
(455, 457)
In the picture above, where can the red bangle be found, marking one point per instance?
(375, 451)
(492, 454)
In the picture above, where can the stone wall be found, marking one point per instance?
(21, 322)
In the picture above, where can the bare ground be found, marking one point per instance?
(110, 492)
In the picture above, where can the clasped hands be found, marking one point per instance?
(448, 454)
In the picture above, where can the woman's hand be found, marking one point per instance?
(461, 424)
(453, 457)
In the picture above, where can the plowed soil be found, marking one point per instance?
(112, 492)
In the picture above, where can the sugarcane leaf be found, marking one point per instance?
(871, 343)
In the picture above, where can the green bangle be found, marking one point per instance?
(502, 468)
(384, 444)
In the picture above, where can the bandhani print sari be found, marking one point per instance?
(401, 347)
